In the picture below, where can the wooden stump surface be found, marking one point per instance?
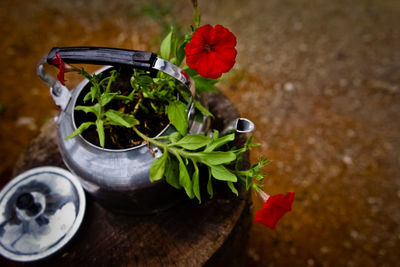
(213, 233)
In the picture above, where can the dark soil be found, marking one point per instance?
(117, 137)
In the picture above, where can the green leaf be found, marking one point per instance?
(123, 97)
(172, 173)
(174, 137)
(202, 109)
(100, 132)
(249, 182)
(209, 184)
(165, 49)
(94, 91)
(155, 107)
(106, 98)
(216, 143)
(80, 129)
(233, 189)
(134, 84)
(215, 135)
(95, 109)
(239, 162)
(113, 76)
(204, 84)
(249, 143)
(221, 173)
(185, 93)
(180, 53)
(121, 119)
(193, 141)
(144, 80)
(177, 116)
(184, 178)
(174, 44)
(215, 157)
(190, 72)
(87, 97)
(157, 169)
(195, 179)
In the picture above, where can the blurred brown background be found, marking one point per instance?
(320, 79)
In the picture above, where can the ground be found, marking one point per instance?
(320, 79)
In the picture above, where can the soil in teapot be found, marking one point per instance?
(117, 137)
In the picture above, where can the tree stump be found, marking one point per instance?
(213, 233)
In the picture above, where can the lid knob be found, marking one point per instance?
(26, 202)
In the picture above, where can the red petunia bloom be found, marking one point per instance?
(273, 208)
(59, 63)
(211, 51)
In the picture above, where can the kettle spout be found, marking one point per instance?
(239, 125)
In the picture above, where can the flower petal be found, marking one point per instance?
(211, 51)
(273, 209)
(60, 64)
(224, 37)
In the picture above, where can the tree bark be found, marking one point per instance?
(213, 233)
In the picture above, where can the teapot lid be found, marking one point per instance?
(40, 211)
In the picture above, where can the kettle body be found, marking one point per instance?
(117, 178)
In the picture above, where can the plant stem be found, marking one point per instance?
(149, 139)
(135, 110)
(175, 151)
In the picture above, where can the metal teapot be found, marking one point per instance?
(118, 178)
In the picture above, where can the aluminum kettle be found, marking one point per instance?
(117, 178)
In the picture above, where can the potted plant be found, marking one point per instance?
(136, 133)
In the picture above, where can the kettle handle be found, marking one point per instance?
(116, 56)
(106, 56)
(103, 56)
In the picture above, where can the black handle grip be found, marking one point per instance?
(103, 56)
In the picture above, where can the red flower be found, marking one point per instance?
(59, 63)
(211, 51)
(273, 209)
